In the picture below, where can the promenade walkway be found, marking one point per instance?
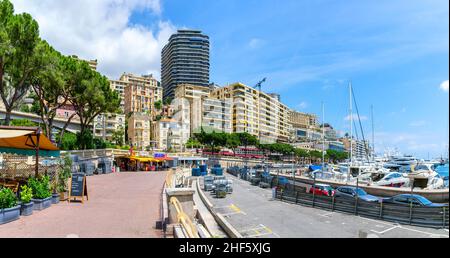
(120, 205)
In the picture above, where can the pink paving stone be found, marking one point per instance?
(120, 205)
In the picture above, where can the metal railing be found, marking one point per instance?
(169, 179)
(436, 217)
(184, 220)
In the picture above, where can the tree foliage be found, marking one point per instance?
(90, 94)
(193, 143)
(20, 55)
(118, 136)
(23, 122)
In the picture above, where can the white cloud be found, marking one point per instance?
(444, 86)
(255, 43)
(355, 118)
(101, 30)
(302, 105)
(418, 123)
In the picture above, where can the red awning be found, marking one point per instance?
(164, 159)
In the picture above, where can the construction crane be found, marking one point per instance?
(258, 85)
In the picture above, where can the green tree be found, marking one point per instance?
(50, 88)
(69, 142)
(247, 139)
(23, 122)
(233, 141)
(118, 136)
(193, 143)
(24, 108)
(20, 55)
(158, 105)
(90, 94)
(315, 155)
(85, 140)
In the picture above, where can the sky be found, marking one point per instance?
(395, 53)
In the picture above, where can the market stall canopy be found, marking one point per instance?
(23, 141)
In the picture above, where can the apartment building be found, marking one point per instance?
(119, 87)
(139, 131)
(206, 112)
(185, 59)
(169, 134)
(360, 149)
(106, 124)
(256, 113)
(304, 127)
(329, 132)
(92, 63)
(216, 115)
(194, 95)
(141, 93)
(330, 145)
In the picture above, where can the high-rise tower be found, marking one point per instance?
(185, 59)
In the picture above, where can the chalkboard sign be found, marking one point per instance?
(78, 187)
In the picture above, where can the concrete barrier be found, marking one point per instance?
(226, 226)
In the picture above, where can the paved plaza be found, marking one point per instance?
(120, 205)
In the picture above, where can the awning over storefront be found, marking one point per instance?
(150, 159)
(25, 140)
(147, 159)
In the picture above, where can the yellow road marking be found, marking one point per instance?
(235, 208)
(268, 229)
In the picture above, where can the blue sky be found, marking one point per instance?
(395, 52)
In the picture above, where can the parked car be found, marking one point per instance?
(350, 192)
(417, 200)
(322, 189)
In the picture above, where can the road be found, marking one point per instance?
(253, 213)
(120, 205)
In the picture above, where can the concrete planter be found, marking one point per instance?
(55, 198)
(41, 204)
(8, 215)
(26, 209)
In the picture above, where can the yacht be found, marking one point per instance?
(393, 179)
(404, 161)
(425, 173)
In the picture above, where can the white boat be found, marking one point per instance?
(425, 172)
(404, 161)
(393, 179)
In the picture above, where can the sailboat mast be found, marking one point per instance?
(351, 125)
(373, 135)
(323, 136)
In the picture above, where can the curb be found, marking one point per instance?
(226, 226)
